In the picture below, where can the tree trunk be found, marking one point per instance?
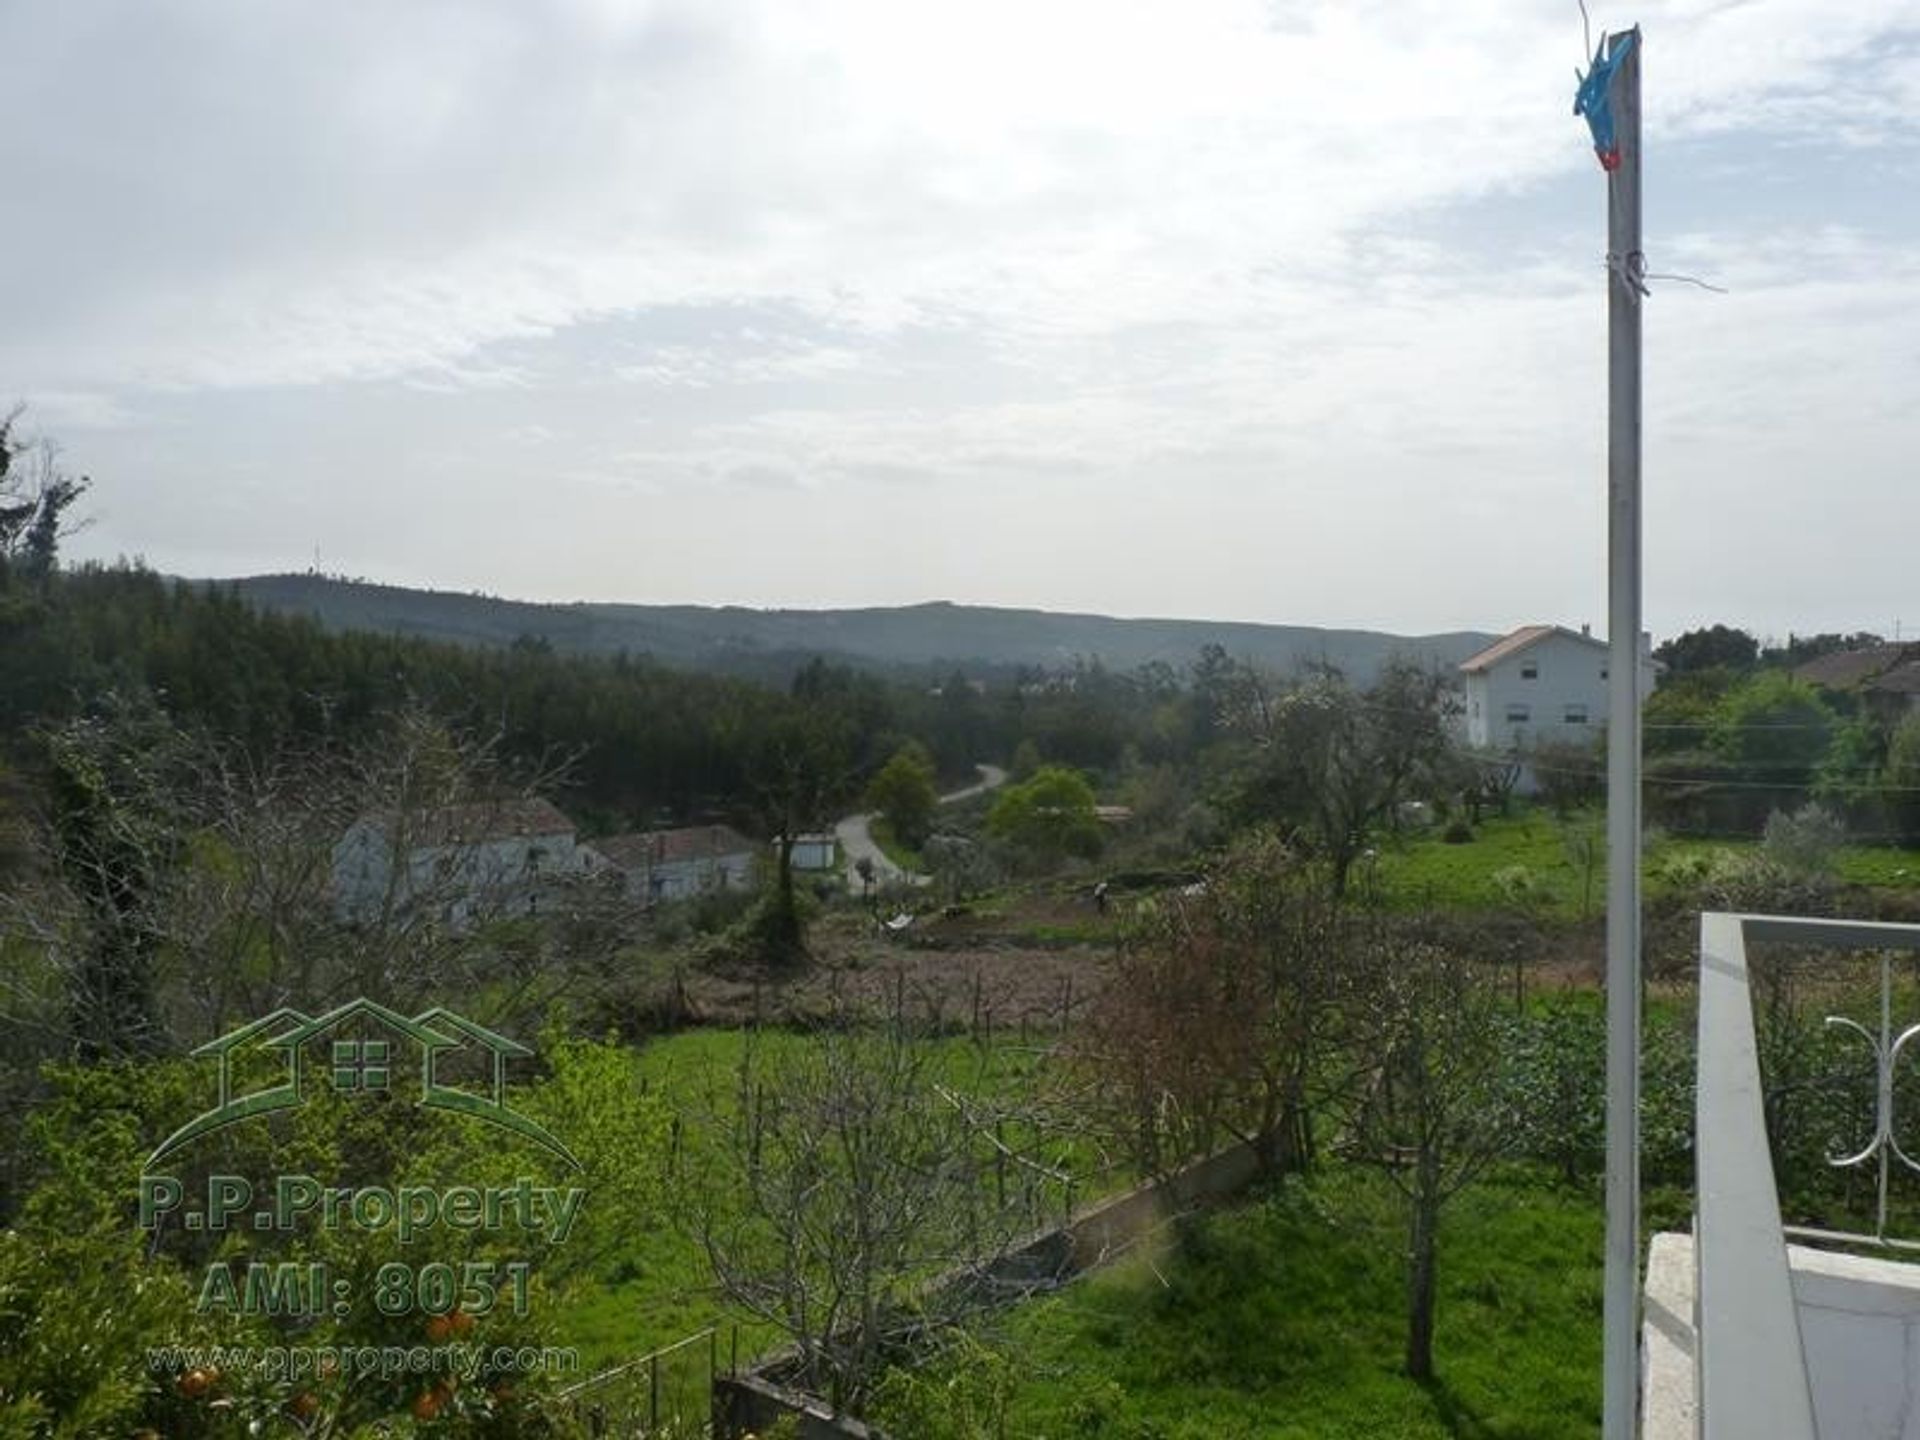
(783, 872)
(1421, 1269)
(781, 938)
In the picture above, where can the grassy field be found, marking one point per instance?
(660, 1289)
(1284, 1320)
(1533, 858)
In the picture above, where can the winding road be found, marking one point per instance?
(855, 834)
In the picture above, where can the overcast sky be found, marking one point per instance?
(1287, 311)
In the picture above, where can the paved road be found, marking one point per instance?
(856, 835)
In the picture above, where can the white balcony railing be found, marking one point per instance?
(1767, 1357)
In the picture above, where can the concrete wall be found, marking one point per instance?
(681, 879)
(1859, 1330)
(749, 1405)
(750, 1402)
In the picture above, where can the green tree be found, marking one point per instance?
(1678, 715)
(1849, 773)
(1900, 781)
(904, 794)
(1048, 817)
(113, 791)
(1026, 759)
(801, 767)
(1774, 728)
(1799, 649)
(1713, 647)
(1332, 763)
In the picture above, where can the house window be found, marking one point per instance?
(360, 1064)
(1530, 670)
(1603, 672)
(1576, 714)
(1519, 714)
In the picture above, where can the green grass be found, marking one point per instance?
(895, 849)
(1528, 854)
(660, 1289)
(1882, 865)
(1285, 1319)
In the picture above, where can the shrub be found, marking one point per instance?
(1570, 775)
(1805, 843)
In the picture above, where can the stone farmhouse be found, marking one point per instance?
(456, 864)
(658, 865)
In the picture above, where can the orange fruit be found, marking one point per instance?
(461, 1322)
(196, 1383)
(426, 1405)
(438, 1328)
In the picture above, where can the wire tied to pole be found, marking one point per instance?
(1630, 270)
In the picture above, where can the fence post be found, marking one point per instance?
(1000, 1165)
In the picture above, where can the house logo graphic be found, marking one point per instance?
(363, 1048)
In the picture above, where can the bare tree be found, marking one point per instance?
(35, 496)
(1430, 1115)
(187, 883)
(858, 1198)
(1225, 1013)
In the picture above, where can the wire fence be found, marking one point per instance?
(666, 1394)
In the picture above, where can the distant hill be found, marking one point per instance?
(771, 642)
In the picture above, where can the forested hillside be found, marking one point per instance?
(775, 642)
(641, 740)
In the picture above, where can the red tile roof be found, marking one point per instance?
(1878, 667)
(1519, 640)
(638, 849)
(473, 824)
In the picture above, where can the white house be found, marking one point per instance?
(455, 863)
(1540, 684)
(674, 864)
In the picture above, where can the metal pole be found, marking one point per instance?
(1620, 1393)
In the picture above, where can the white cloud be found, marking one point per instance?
(1229, 277)
(261, 195)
